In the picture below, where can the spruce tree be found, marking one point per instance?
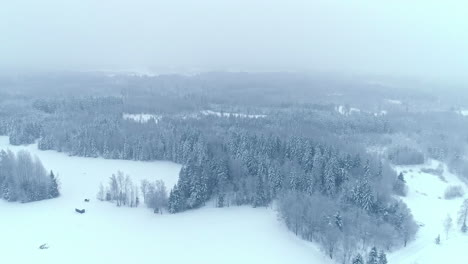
(401, 177)
(54, 189)
(339, 221)
(6, 191)
(373, 257)
(358, 259)
(330, 174)
(176, 201)
(382, 258)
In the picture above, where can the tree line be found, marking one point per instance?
(292, 160)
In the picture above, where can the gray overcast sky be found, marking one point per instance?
(398, 37)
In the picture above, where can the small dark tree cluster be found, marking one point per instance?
(374, 257)
(453, 192)
(399, 185)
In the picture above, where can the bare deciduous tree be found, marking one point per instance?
(448, 222)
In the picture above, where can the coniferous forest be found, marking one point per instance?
(325, 168)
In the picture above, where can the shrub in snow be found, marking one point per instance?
(463, 215)
(453, 192)
(43, 246)
(399, 185)
(439, 171)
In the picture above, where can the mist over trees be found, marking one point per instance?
(24, 179)
(255, 161)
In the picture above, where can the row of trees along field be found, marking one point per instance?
(293, 160)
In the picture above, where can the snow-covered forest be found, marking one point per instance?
(332, 179)
(233, 132)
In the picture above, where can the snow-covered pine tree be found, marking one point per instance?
(54, 187)
(463, 215)
(382, 258)
(339, 221)
(308, 159)
(373, 257)
(358, 259)
(357, 161)
(401, 177)
(330, 174)
(175, 203)
(361, 194)
(318, 169)
(6, 191)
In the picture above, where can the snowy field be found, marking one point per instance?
(141, 118)
(426, 200)
(226, 114)
(107, 234)
(393, 101)
(463, 112)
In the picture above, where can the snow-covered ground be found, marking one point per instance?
(107, 234)
(393, 101)
(346, 111)
(141, 118)
(463, 112)
(226, 114)
(426, 200)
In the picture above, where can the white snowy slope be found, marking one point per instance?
(141, 118)
(227, 114)
(107, 234)
(426, 200)
(463, 112)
